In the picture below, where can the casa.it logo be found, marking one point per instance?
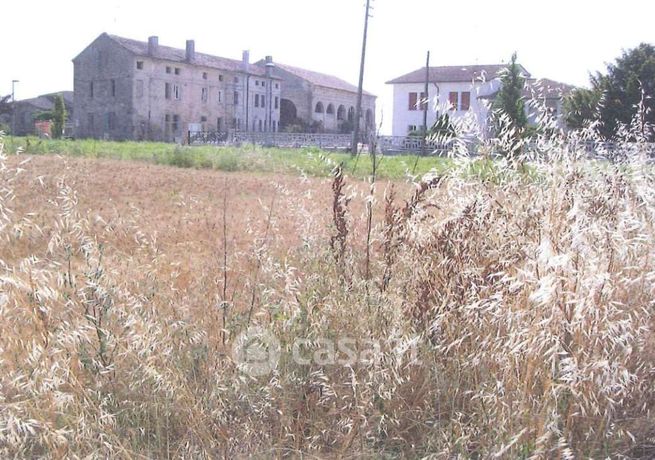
(256, 352)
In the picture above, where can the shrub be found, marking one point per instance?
(509, 317)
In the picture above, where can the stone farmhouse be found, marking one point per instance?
(26, 111)
(129, 89)
(327, 102)
(465, 91)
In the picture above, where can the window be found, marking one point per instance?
(411, 129)
(113, 88)
(452, 98)
(256, 100)
(256, 82)
(177, 95)
(262, 101)
(204, 75)
(139, 89)
(219, 124)
(264, 84)
(260, 126)
(319, 107)
(203, 119)
(466, 100)
(274, 126)
(177, 70)
(91, 90)
(168, 69)
(277, 86)
(110, 121)
(204, 94)
(329, 110)
(220, 96)
(220, 78)
(277, 102)
(236, 79)
(176, 122)
(423, 103)
(90, 121)
(413, 99)
(167, 90)
(139, 65)
(236, 98)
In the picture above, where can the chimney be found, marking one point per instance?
(153, 45)
(269, 66)
(190, 50)
(246, 60)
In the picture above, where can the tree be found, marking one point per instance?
(59, 117)
(5, 105)
(443, 128)
(615, 97)
(508, 109)
(46, 115)
(581, 108)
(627, 82)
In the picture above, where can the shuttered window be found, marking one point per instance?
(466, 100)
(413, 97)
(452, 98)
(423, 101)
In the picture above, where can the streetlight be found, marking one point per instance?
(13, 106)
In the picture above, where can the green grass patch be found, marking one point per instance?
(309, 161)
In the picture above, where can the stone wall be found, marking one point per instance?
(103, 85)
(333, 99)
(144, 97)
(297, 91)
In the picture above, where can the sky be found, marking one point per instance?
(564, 40)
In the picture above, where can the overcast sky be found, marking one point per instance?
(560, 39)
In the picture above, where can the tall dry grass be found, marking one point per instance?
(513, 311)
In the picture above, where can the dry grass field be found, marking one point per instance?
(507, 318)
(179, 212)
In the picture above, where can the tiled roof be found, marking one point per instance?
(542, 88)
(179, 55)
(39, 102)
(545, 88)
(68, 96)
(320, 79)
(47, 101)
(455, 74)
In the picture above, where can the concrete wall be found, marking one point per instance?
(438, 96)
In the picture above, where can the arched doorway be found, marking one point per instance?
(288, 113)
(341, 113)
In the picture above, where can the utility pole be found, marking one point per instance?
(425, 102)
(13, 106)
(360, 89)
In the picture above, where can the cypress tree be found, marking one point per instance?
(59, 118)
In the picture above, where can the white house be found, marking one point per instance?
(462, 91)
